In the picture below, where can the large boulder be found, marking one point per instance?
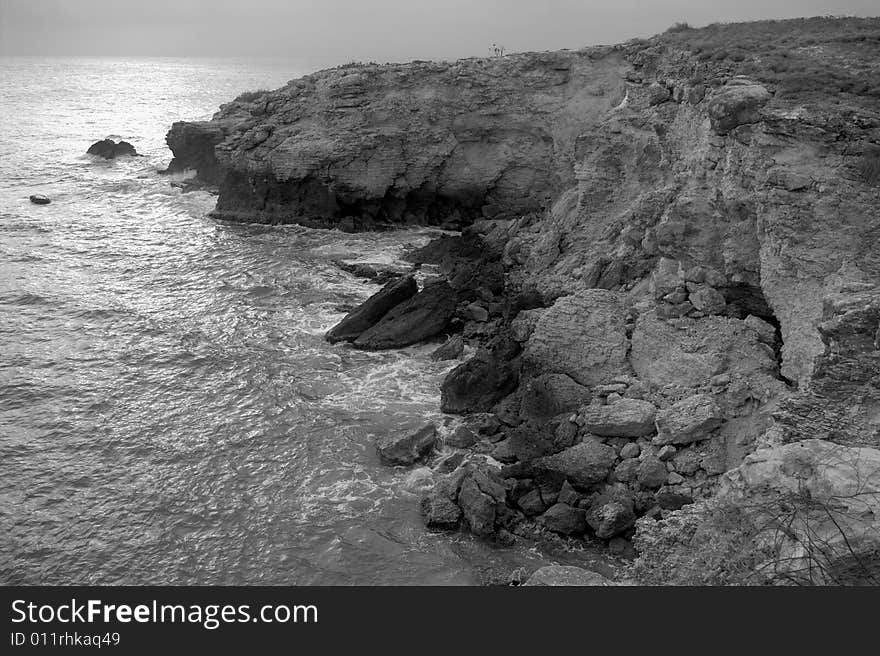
(548, 395)
(566, 575)
(406, 448)
(109, 149)
(440, 506)
(414, 320)
(481, 498)
(584, 464)
(738, 103)
(611, 515)
(690, 420)
(689, 352)
(477, 384)
(623, 418)
(564, 519)
(368, 313)
(582, 336)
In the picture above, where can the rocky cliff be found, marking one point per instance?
(671, 251)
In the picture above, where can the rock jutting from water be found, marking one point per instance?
(666, 272)
(109, 149)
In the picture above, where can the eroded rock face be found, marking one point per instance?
(422, 143)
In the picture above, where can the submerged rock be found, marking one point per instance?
(368, 313)
(414, 320)
(109, 149)
(407, 448)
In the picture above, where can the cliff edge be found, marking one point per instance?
(671, 272)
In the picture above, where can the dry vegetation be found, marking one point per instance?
(250, 96)
(796, 57)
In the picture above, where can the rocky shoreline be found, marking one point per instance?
(667, 272)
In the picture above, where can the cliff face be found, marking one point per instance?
(688, 229)
(418, 143)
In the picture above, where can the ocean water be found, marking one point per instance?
(169, 411)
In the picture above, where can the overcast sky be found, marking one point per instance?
(337, 31)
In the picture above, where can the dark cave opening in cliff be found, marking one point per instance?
(744, 299)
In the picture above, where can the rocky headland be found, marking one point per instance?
(666, 283)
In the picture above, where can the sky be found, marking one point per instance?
(338, 31)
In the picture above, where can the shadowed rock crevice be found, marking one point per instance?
(262, 198)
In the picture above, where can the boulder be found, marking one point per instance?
(532, 440)
(669, 500)
(449, 350)
(477, 312)
(564, 519)
(630, 450)
(623, 418)
(738, 103)
(461, 438)
(503, 452)
(651, 472)
(407, 448)
(627, 470)
(583, 336)
(414, 320)
(481, 498)
(707, 299)
(566, 575)
(477, 384)
(658, 93)
(690, 420)
(109, 149)
(609, 517)
(690, 352)
(368, 313)
(532, 503)
(549, 395)
(440, 508)
(583, 464)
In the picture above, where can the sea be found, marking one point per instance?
(169, 410)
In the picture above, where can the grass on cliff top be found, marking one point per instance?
(797, 57)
